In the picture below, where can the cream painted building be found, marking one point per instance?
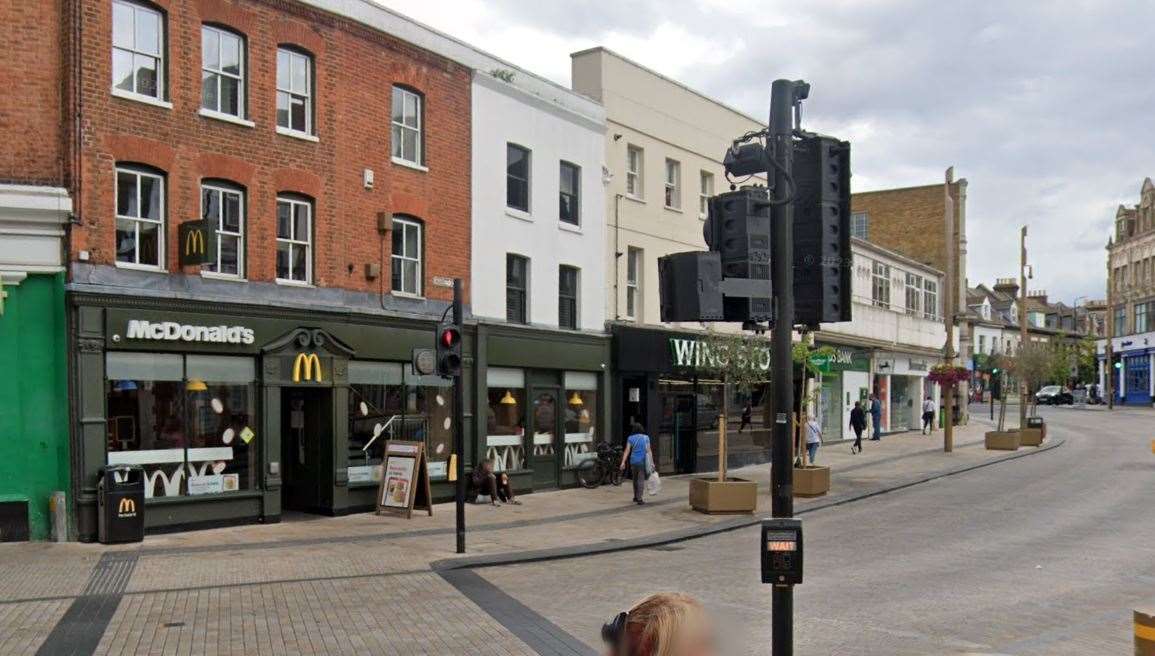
(664, 149)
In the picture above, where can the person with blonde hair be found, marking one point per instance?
(662, 624)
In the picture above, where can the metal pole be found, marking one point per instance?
(459, 423)
(1023, 391)
(783, 95)
(949, 311)
(1109, 361)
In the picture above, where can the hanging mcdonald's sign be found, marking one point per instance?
(198, 243)
(307, 367)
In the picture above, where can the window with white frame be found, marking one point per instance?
(223, 206)
(705, 191)
(516, 288)
(673, 184)
(222, 71)
(516, 177)
(913, 294)
(294, 91)
(634, 171)
(139, 218)
(137, 49)
(982, 344)
(294, 239)
(407, 249)
(408, 123)
(930, 298)
(633, 279)
(880, 285)
(568, 283)
(569, 193)
(859, 222)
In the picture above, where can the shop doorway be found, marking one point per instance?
(306, 448)
(902, 393)
(1137, 370)
(545, 446)
(676, 449)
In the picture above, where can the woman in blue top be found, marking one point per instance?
(637, 447)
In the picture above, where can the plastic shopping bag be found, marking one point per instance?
(653, 484)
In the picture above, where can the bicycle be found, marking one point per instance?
(604, 468)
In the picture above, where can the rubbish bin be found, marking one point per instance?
(120, 504)
(1037, 422)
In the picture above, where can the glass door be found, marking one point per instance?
(543, 446)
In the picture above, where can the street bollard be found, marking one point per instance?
(1145, 632)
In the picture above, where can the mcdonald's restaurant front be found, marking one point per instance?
(243, 413)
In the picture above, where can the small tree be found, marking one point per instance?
(803, 354)
(1033, 364)
(998, 365)
(1085, 360)
(739, 361)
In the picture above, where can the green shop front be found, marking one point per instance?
(543, 394)
(242, 414)
(844, 379)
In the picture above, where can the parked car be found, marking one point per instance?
(1054, 395)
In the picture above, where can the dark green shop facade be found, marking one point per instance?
(241, 414)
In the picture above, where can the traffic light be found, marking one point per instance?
(822, 258)
(448, 348)
(738, 229)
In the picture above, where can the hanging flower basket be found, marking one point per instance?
(947, 375)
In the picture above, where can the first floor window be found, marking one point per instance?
(294, 239)
(673, 184)
(516, 287)
(294, 91)
(222, 71)
(913, 293)
(517, 177)
(634, 172)
(407, 256)
(189, 421)
(633, 278)
(137, 49)
(569, 194)
(880, 285)
(407, 125)
(1120, 321)
(705, 191)
(930, 298)
(139, 217)
(1140, 317)
(859, 223)
(223, 206)
(567, 297)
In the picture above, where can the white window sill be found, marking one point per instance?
(410, 165)
(636, 199)
(294, 283)
(518, 214)
(297, 134)
(569, 227)
(671, 208)
(212, 275)
(149, 268)
(227, 118)
(412, 297)
(141, 98)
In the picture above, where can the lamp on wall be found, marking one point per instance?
(574, 399)
(196, 385)
(508, 399)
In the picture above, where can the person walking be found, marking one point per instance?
(662, 624)
(857, 424)
(813, 437)
(637, 447)
(747, 415)
(928, 409)
(875, 418)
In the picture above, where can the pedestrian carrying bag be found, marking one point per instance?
(653, 482)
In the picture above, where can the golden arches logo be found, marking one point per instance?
(303, 368)
(194, 242)
(127, 506)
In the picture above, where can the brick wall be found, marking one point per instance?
(908, 221)
(355, 69)
(31, 76)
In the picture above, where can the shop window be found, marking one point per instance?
(567, 297)
(139, 218)
(189, 421)
(222, 72)
(580, 417)
(294, 240)
(376, 403)
(137, 51)
(428, 418)
(505, 419)
(223, 206)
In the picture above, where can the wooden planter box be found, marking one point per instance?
(1002, 440)
(735, 495)
(1031, 437)
(811, 481)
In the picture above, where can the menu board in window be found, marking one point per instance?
(405, 479)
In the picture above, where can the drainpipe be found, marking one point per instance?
(617, 257)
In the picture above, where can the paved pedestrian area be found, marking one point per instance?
(381, 585)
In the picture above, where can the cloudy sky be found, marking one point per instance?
(1046, 108)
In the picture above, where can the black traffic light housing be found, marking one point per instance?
(448, 350)
(822, 258)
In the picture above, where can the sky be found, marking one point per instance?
(1046, 108)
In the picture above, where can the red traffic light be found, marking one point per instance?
(450, 337)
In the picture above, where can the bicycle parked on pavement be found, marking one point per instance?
(601, 469)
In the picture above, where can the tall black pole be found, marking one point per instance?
(780, 145)
(459, 423)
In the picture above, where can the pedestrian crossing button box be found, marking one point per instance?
(782, 551)
(120, 504)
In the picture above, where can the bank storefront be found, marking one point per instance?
(659, 381)
(239, 414)
(844, 379)
(900, 383)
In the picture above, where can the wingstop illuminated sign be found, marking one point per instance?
(171, 331)
(693, 353)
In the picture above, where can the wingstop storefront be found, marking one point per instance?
(239, 415)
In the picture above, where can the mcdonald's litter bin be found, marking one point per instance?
(120, 504)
